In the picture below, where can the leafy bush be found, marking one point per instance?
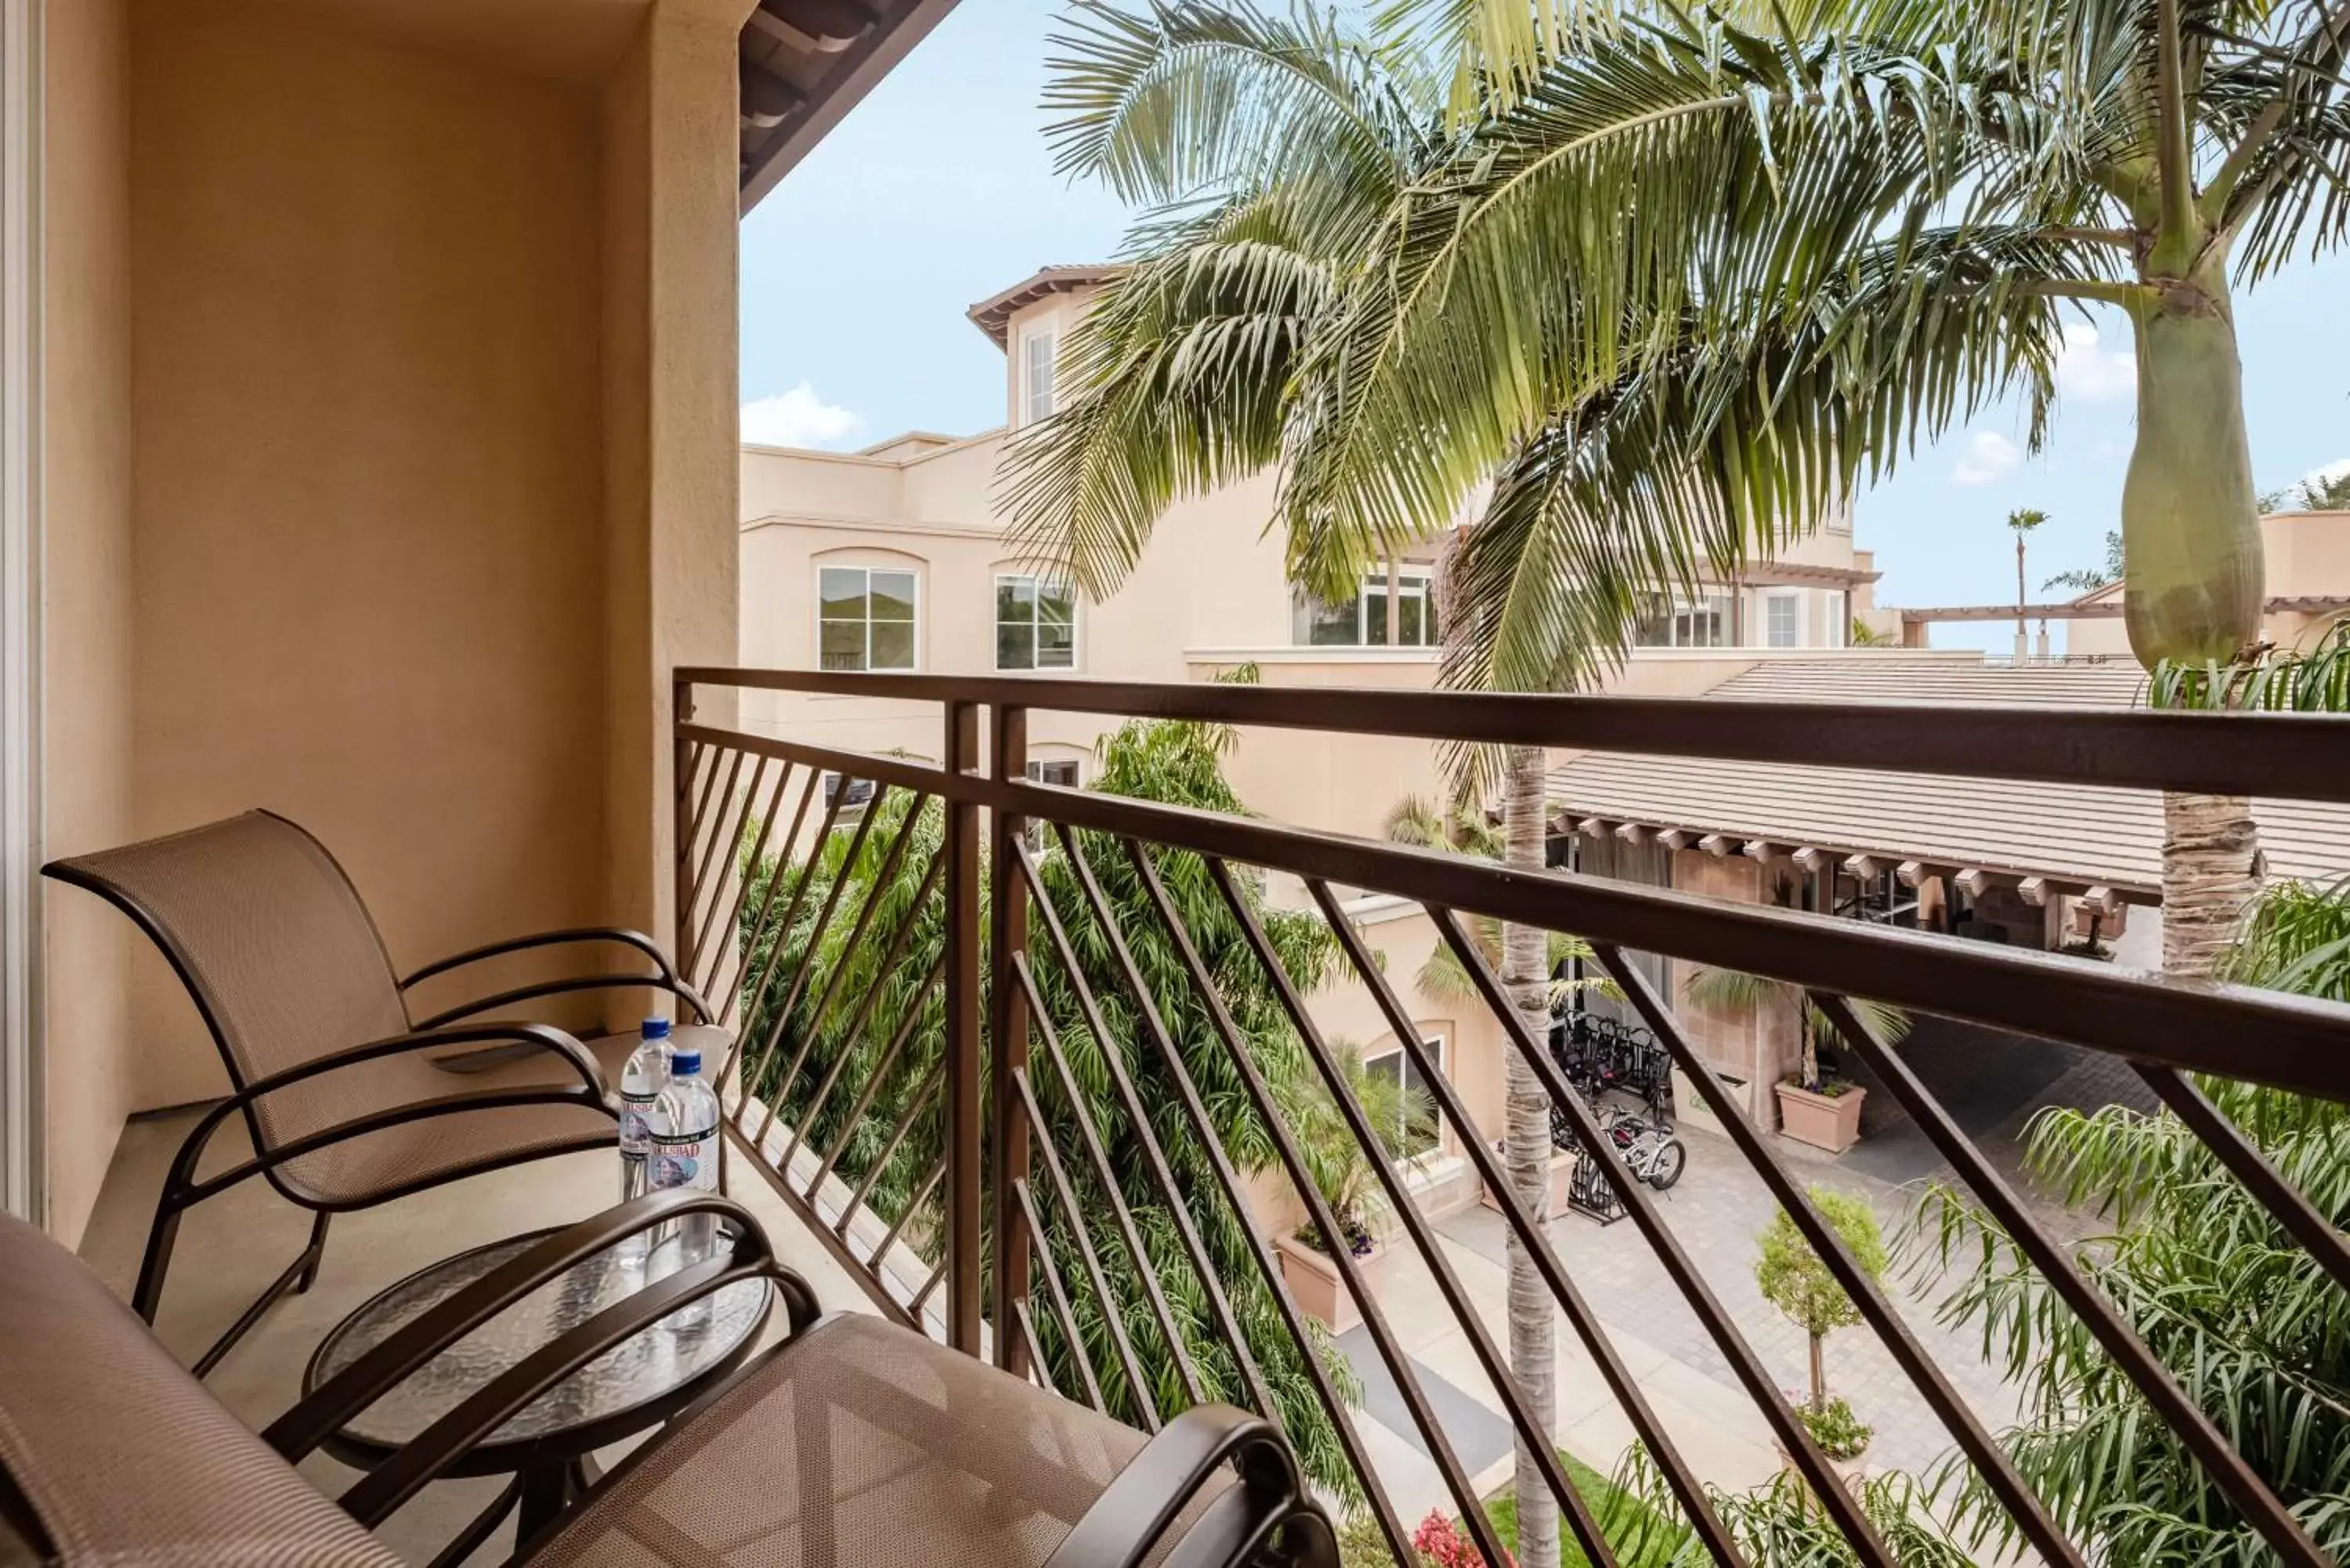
(1794, 1280)
(1840, 1433)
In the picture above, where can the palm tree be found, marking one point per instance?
(1679, 280)
(2020, 522)
(2084, 577)
(1469, 831)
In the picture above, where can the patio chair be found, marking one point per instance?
(349, 1101)
(852, 1444)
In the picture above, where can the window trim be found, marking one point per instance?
(1413, 580)
(1793, 597)
(1048, 333)
(1438, 1042)
(821, 566)
(996, 623)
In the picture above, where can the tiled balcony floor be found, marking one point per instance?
(231, 1247)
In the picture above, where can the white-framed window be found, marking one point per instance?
(1418, 1129)
(1035, 623)
(1840, 625)
(1062, 772)
(1672, 624)
(865, 617)
(1783, 620)
(1362, 622)
(1039, 361)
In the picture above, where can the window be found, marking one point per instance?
(1057, 771)
(1705, 623)
(1783, 621)
(1035, 624)
(1840, 619)
(865, 619)
(1417, 1130)
(1039, 352)
(1363, 621)
(860, 793)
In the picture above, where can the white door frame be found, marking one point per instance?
(21, 1162)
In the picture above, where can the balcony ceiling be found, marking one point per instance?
(805, 63)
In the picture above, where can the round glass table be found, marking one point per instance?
(635, 1385)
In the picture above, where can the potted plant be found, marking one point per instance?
(1792, 1278)
(1815, 1107)
(1562, 1177)
(1341, 1170)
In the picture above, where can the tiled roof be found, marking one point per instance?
(2081, 833)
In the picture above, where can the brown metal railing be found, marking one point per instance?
(1002, 1137)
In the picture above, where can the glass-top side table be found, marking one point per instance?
(635, 1385)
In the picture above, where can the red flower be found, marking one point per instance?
(1440, 1544)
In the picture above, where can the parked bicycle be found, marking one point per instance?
(1654, 1154)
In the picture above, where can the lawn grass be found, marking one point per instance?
(1642, 1537)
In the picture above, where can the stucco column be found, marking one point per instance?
(670, 447)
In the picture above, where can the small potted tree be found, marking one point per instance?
(1792, 1278)
(1814, 1106)
(1342, 1172)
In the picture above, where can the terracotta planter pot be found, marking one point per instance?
(1314, 1280)
(1562, 1174)
(1831, 1122)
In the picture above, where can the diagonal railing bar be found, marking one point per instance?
(1035, 1353)
(914, 1202)
(791, 913)
(1835, 1501)
(854, 1030)
(915, 1008)
(2286, 1202)
(1057, 1294)
(1533, 1432)
(1154, 1029)
(1113, 1320)
(812, 1217)
(1531, 1236)
(1437, 1443)
(1261, 1099)
(1991, 1461)
(822, 1007)
(917, 1102)
(749, 948)
(922, 1296)
(807, 949)
(1146, 1268)
(719, 955)
(690, 960)
(2179, 1411)
(725, 801)
(719, 746)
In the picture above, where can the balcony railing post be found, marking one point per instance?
(681, 849)
(965, 1287)
(1008, 1032)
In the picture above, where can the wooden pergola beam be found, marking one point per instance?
(1675, 838)
(1761, 849)
(1718, 845)
(1631, 833)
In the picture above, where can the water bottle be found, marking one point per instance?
(685, 1155)
(642, 1078)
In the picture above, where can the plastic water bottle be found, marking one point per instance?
(685, 1154)
(642, 1078)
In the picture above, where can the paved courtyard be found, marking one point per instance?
(1716, 1212)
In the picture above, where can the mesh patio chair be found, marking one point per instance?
(350, 1100)
(852, 1444)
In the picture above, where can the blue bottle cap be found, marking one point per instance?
(684, 1062)
(656, 1029)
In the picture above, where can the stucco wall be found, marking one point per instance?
(366, 299)
(87, 589)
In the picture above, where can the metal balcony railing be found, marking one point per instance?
(998, 1100)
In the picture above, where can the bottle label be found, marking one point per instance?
(636, 1124)
(678, 1160)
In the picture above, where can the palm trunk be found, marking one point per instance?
(2195, 585)
(1532, 1322)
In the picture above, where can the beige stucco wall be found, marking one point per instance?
(87, 612)
(434, 389)
(2307, 556)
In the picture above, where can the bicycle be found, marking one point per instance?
(1650, 1148)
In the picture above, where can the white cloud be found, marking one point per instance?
(2327, 473)
(799, 418)
(2092, 373)
(1989, 458)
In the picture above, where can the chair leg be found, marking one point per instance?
(315, 1252)
(157, 1259)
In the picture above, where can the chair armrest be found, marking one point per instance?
(665, 977)
(371, 1376)
(636, 939)
(1133, 1513)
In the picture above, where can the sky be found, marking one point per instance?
(938, 190)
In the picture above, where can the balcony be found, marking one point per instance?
(1059, 1076)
